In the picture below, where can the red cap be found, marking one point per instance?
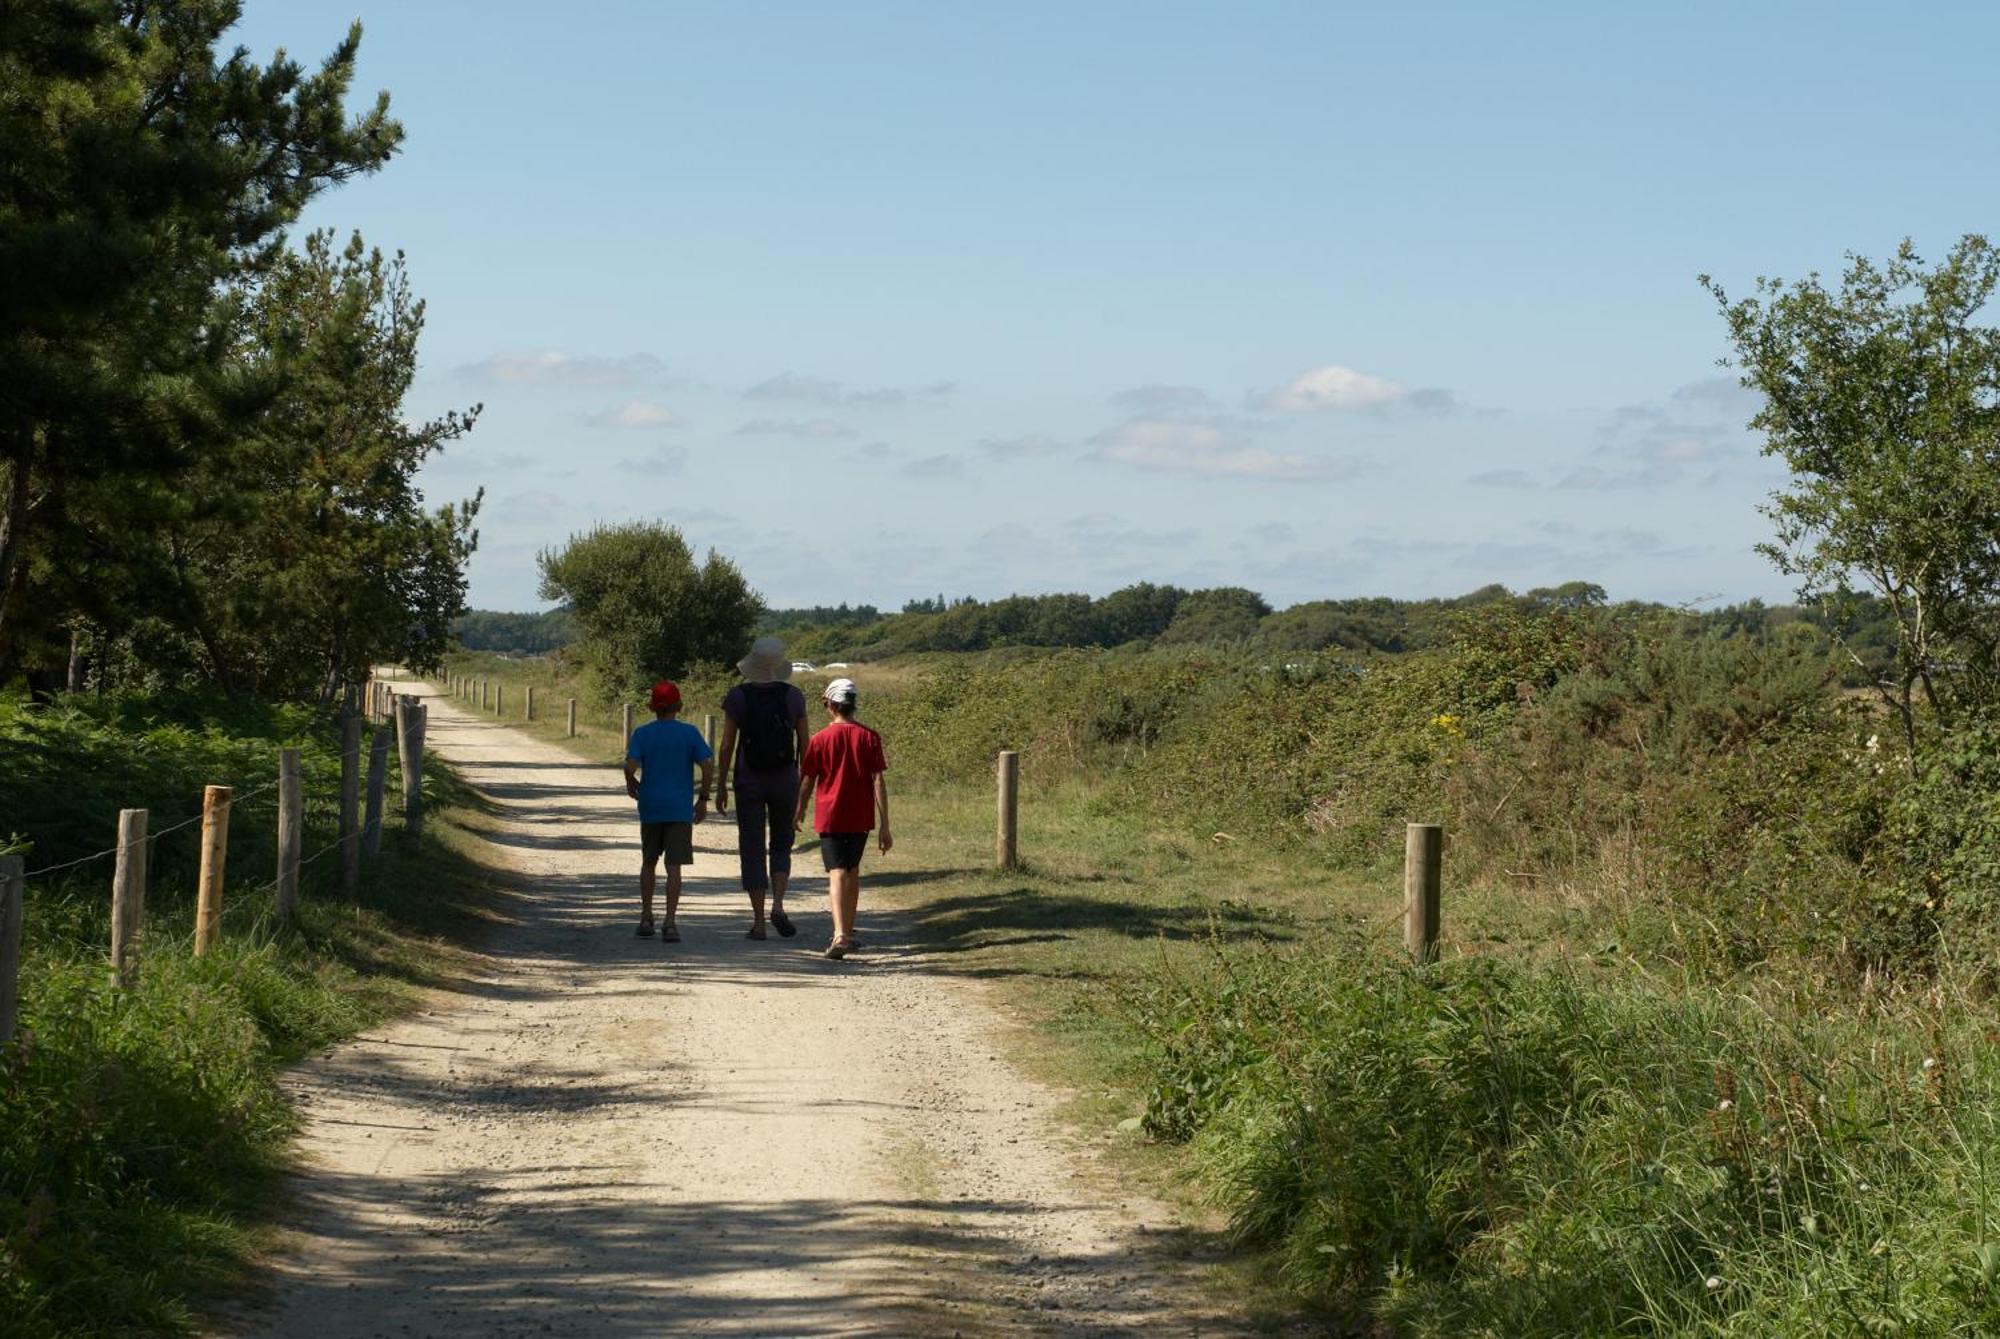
(665, 695)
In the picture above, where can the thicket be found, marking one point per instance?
(142, 1131)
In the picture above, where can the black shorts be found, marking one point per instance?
(675, 840)
(842, 850)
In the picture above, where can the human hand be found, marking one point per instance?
(631, 788)
(885, 839)
(700, 810)
(722, 799)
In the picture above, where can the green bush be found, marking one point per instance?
(142, 1130)
(1479, 1148)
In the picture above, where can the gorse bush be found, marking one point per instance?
(1476, 1148)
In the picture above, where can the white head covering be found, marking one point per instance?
(842, 692)
(766, 662)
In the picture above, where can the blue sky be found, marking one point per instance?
(883, 300)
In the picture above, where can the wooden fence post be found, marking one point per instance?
(499, 699)
(378, 781)
(291, 834)
(214, 857)
(572, 718)
(625, 740)
(528, 708)
(128, 895)
(486, 694)
(1423, 885)
(411, 739)
(708, 731)
(1006, 847)
(350, 808)
(13, 900)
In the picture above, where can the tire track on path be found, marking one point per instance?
(595, 1134)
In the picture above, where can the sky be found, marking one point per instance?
(884, 301)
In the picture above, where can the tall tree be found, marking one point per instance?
(301, 552)
(645, 607)
(1882, 396)
(139, 170)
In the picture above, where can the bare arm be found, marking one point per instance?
(882, 809)
(806, 785)
(725, 753)
(632, 778)
(707, 780)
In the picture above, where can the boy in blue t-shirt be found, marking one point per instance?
(659, 774)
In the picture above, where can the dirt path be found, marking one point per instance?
(605, 1135)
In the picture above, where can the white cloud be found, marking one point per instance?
(796, 388)
(819, 429)
(552, 367)
(1033, 444)
(936, 467)
(1334, 387)
(636, 414)
(1205, 448)
(1163, 399)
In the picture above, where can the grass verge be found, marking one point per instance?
(143, 1136)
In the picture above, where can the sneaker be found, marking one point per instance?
(670, 935)
(645, 930)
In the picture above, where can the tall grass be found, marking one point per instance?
(1477, 1148)
(142, 1131)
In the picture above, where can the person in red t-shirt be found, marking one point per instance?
(842, 773)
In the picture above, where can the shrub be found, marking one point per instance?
(1477, 1147)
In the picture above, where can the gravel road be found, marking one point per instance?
(595, 1134)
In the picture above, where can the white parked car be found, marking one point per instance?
(803, 667)
(838, 664)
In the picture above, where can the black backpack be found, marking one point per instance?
(767, 729)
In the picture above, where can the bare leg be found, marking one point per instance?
(837, 901)
(850, 900)
(756, 896)
(778, 884)
(673, 891)
(646, 874)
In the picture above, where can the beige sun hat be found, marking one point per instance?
(766, 663)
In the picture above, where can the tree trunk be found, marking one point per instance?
(13, 524)
(75, 659)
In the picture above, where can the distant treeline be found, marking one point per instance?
(1152, 615)
(1230, 616)
(523, 634)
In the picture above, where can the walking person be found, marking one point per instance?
(843, 775)
(764, 734)
(659, 774)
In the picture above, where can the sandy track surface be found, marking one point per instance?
(596, 1134)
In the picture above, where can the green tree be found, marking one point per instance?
(1217, 615)
(645, 608)
(138, 172)
(1882, 396)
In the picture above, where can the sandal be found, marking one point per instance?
(645, 930)
(783, 923)
(670, 935)
(838, 949)
(756, 931)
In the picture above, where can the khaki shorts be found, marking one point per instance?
(674, 840)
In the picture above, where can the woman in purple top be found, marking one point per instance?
(764, 734)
